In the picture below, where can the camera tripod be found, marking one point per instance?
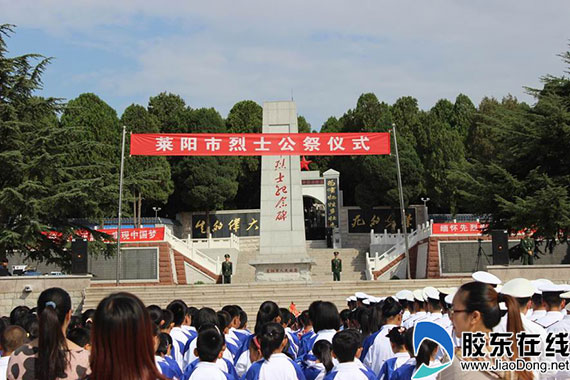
(481, 253)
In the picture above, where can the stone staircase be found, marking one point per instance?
(353, 262)
(250, 296)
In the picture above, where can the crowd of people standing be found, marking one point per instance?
(371, 339)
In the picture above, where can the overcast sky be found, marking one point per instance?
(325, 53)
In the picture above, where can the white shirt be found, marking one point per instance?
(243, 363)
(4, 367)
(406, 315)
(419, 316)
(206, 370)
(350, 370)
(550, 318)
(325, 335)
(562, 325)
(380, 350)
(536, 314)
(277, 367)
(179, 340)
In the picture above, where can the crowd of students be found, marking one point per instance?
(371, 339)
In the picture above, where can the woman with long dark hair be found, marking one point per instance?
(476, 309)
(122, 340)
(268, 312)
(52, 356)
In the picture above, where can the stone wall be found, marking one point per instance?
(12, 290)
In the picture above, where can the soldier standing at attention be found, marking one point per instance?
(227, 270)
(527, 245)
(336, 267)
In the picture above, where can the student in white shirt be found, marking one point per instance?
(397, 336)
(12, 338)
(209, 349)
(205, 316)
(268, 312)
(179, 336)
(275, 365)
(347, 346)
(380, 349)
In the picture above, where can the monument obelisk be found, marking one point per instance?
(282, 251)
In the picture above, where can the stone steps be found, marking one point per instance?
(250, 296)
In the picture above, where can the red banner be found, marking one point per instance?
(137, 234)
(466, 228)
(127, 235)
(260, 144)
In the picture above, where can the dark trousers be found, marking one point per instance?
(336, 276)
(527, 259)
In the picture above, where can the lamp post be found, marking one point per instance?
(426, 214)
(156, 210)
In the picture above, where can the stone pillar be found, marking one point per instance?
(282, 251)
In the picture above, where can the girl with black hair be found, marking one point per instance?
(377, 349)
(275, 365)
(476, 309)
(180, 336)
(287, 320)
(164, 362)
(326, 322)
(397, 336)
(426, 355)
(268, 312)
(322, 363)
(51, 356)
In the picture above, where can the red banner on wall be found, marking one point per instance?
(260, 144)
(465, 228)
(137, 234)
(127, 234)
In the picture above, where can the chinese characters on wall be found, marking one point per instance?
(332, 205)
(365, 220)
(223, 225)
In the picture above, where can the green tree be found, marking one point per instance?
(203, 183)
(39, 190)
(94, 142)
(145, 178)
(303, 125)
(168, 109)
(246, 117)
(525, 183)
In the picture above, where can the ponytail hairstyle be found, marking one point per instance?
(478, 296)
(397, 336)
(390, 308)
(409, 341)
(268, 312)
(425, 352)
(122, 340)
(322, 350)
(270, 337)
(54, 305)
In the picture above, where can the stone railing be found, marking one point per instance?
(193, 253)
(230, 242)
(377, 261)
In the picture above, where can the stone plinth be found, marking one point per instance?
(12, 292)
(282, 251)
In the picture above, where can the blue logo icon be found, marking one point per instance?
(433, 331)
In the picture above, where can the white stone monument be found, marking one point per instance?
(282, 251)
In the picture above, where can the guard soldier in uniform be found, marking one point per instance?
(336, 267)
(227, 270)
(527, 245)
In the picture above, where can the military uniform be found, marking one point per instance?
(227, 271)
(527, 246)
(336, 268)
